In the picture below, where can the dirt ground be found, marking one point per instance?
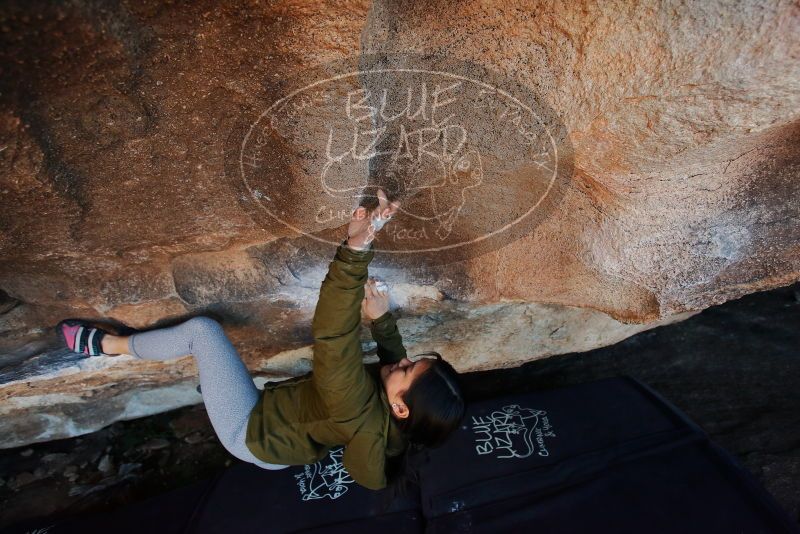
(734, 369)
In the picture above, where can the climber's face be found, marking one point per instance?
(397, 379)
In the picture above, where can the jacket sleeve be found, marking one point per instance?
(339, 375)
(365, 460)
(390, 342)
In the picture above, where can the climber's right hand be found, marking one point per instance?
(375, 303)
(363, 225)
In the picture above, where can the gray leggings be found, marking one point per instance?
(228, 390)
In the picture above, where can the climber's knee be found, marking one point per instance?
(202, 324)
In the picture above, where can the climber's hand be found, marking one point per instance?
(363, 225)
(375, 302)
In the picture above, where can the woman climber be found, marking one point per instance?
(376, 416)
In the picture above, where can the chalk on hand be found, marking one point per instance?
(381, 286)
(378, 222)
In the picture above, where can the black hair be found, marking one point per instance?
(436, 408)
(435, 404)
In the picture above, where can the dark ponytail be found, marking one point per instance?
(435, 404)
(436, 407)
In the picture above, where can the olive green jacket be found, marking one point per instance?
(297, 421)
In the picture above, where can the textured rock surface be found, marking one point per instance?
(118, 124)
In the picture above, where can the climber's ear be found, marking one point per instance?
(400, 410)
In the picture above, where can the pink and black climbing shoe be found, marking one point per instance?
(82, 337)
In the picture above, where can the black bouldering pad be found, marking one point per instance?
(302, 498)
(605, 456)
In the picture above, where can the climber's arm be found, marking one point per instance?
(338, 366)
(339, 375)
(382, 323)
(390, 342)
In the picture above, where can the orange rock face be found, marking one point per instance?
(581, 172)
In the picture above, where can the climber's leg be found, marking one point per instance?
(228, 390)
